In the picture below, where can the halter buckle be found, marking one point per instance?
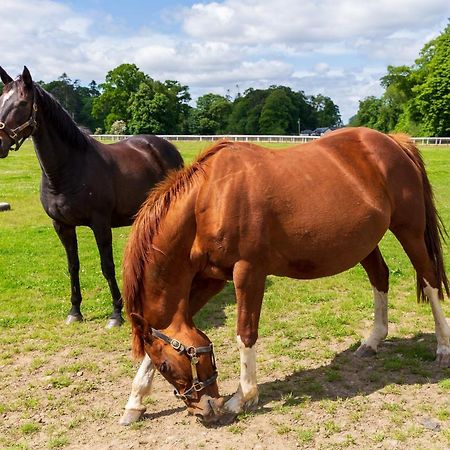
(175, 344)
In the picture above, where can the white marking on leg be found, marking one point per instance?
(142, 385)
(6, 97)
(247, 393)
(441, 325)
(380, 325)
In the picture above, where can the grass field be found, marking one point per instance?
(66, 386)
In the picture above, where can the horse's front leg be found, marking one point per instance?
(378, 274)
(103, 237)
(141, 386)
(68, 237)
(249, 285)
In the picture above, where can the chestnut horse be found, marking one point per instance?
(242, 212)
(83, 181)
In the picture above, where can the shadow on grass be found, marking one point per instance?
(399, 361)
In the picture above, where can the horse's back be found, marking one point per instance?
(301, 209)
(137, 164)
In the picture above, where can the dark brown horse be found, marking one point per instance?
(242, 212)
(83, 182)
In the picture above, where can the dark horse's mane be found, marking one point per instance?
(61, 120)
(147, 224)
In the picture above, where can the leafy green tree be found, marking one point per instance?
(433, 95)
(180, 98)
(368, 112)
(246, 111)
(210, 115)
(119, 86)
(417, 98)
(76, 99)
(277, 113)
(158, 108)
(327, 113)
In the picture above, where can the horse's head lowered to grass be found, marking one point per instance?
(17, 111)
(186, 360)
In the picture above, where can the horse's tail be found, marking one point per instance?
(435, 232)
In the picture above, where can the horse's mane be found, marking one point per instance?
(61, 120)
(147, 224)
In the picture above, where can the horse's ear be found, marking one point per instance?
(141, 326)
(26, 77)
(4, 76)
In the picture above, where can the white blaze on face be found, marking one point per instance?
(247, 393)
(6, 97)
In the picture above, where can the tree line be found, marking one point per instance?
(416, 98)
(131, 102)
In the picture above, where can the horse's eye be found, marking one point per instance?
(163, 367)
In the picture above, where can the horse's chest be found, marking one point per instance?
(63, 210)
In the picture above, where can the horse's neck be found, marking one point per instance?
(53, 152)
(52, 155)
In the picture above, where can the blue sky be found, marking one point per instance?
(339, 48)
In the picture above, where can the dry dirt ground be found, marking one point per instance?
(74, 399)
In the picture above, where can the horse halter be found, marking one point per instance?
(14, 133)
(191, 353)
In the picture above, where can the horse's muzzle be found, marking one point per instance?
(4, 147)
(208, 410)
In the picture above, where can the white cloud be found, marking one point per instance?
(336, 47)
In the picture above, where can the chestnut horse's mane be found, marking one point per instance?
(147, 224)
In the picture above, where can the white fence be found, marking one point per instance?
(257, 138)
(198, 137)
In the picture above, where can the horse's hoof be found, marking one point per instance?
(443, 360)
(131, 416)
(114, 322)
(364, 351)
(74, 318)
(227, 418)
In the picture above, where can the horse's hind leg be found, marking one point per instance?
(415, 247)
(68, 237)
(103, 237)
(142, 385)
(378, 274)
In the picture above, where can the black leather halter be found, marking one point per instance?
(191, 353)
(14, 133)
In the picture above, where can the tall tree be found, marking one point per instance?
(433, 95)
(416, 98)
(119, 86)
(158, 107)
(277, 113)
(327, 113)
(210, 115)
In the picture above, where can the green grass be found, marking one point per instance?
(307, 332)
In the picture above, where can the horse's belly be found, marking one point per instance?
(327, 248)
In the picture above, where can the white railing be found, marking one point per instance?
(256, 138)
(431, 140)
(198, 137)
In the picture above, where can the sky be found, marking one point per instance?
(339, 48)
